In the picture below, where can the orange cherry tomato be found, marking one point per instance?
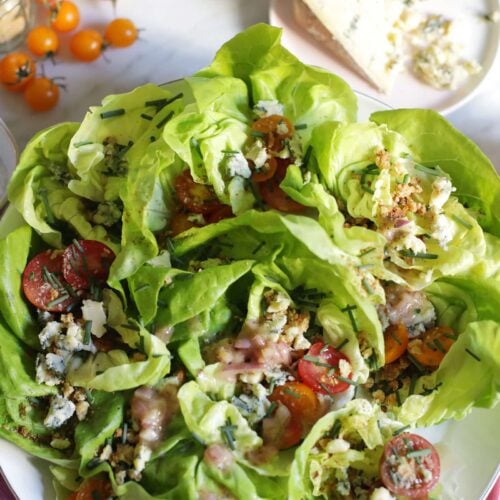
(121, 32)
(395, 342)
(43, 41)
(92, 488)
(304, 408)
(274, 196)
(41, 94)
(86, 45)
(267, 171)
(16, 70)
(275, 129)
(195, 197)
(65, 16)
(430, 349)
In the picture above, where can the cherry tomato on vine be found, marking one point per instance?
(16, 70)
(43, 41)
(44, 284)
(121, 32)
(86, 45)
(319, 369)
(65, 16)
(87, 262)
(409, 466)
(41, 94)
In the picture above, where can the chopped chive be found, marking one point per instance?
(292, 393)
(146, 117)
(78, 245)
(258, 247)
(88, 331)
(415, 363)
(152, 138)
(82, 143)
(307, 156)
(367, 286)
(300, 126)
(141, 343)
(256, 133)
(371, 169)
(161, 103)
(334, 431)
(161, 123)
(316, 361)
(271, 409)
(124, 432)
(31, 276)
(144, 286)
(92, 464)
(112, 113)
(346, 380)
(400, 430)
(418, 255)
(364, 187)
(130, 326)
(427, 170)
(398, 398)
(157, 355)
(241, 404)
(475, 356)
(423, 452)
(89, 396)
(464, 223)
(439, 346)
(57, 301)
(364, 266)
(406, 179)
(227, 431)
(342, 344)
(46, 205)
(366, 251)
(413, 383)
(349, 309)
(394, 337)
(230, 152)
(326, 389)
(450, 336)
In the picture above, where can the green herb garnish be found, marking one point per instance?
(112, 113)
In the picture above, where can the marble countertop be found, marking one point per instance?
(179, 38)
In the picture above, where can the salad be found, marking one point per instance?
(229, 288)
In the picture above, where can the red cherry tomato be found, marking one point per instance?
(41, 94)
(181, 222)
(65, 16)
(86, 45)
(195, 197)
(44, 285)
(409, 466)
(43, 41)
(87, 262)
(274, 196)
(223, 212)
(121, 33)
(92, 488)
(304, 409)
(267, 171)
(320, 369)
(16, 71)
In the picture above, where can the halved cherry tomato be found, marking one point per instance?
(276, 129)
(65, 16)
(320, 370)
(223, 212)
(195, 197)
(91, 489)
(274, 196)
(44, 284)
(415, 458)
(267, 171)
(120, 32)
(304, 409)
(431, 347)
(181, 222)
(41, 94)
(42, 41)
(395, 342)
(87, 262)
(16, 71)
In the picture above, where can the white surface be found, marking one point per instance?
(8, 157)
(479, 38)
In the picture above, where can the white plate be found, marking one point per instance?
(468, 449)
(8, 158)
(480, 39)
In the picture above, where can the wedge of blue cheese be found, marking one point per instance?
(358, 31)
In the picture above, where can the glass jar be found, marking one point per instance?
(16, 18)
